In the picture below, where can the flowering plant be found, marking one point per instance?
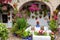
(4, 8)
(41, 32)
(33, 8)
(19, 15)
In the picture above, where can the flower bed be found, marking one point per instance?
(41, 32)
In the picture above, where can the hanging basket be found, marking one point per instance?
(4, 8)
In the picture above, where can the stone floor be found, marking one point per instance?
(11, 37)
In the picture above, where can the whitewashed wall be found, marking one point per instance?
(52, 4)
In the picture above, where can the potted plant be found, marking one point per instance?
(41, 32)
(19, 26)
(53, 25)
(26, 35)
(3, 32)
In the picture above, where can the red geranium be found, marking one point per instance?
(41, 32)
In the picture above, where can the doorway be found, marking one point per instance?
(4, 18)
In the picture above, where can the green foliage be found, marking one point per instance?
(3, 32)
(20, 26)
(28, 12)
(36, 13)
(26, 34)
(52, 37)
(21, 23)
(0, 8)
(23, 33)
(36, 33)
(53, 25)
(0, 21)
(15, 10)
(14, 28)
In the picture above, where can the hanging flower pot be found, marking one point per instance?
(2, 1)
(19, 15)
(4, 8)
(33, 8)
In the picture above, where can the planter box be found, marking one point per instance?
(36, 37)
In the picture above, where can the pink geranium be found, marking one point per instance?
(33, 8)
(19, 15)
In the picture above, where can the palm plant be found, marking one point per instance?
(19, 26)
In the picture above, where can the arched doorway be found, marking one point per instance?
(36, 9)
(41, 5)
(6, 11)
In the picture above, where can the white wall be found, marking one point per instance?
(52, 4)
